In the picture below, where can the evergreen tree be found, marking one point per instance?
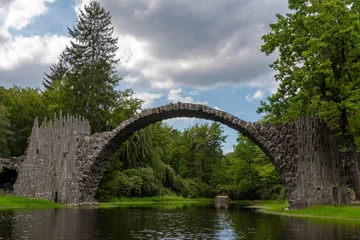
(92, 78)
(58, 72)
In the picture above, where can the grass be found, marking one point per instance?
(150, 200)
(12, 202)
(9, 202)
(343, 212)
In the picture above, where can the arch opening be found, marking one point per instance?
(8, 178)
(266, 136)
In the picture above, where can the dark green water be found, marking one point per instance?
(167, 221)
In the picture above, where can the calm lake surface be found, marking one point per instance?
(167, 221)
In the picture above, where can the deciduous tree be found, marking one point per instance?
(318, 68)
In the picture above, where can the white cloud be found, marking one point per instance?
(227, 150)
(19, 13)
(164, 48)
(161, 47)
(148, 98)
(259, 94)
(42, 50)
(180, 122)
(23, 60)
(79, 4)
(174, 96)
(217, 108)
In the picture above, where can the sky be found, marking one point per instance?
(203, 51)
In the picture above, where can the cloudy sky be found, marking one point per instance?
(204, 51)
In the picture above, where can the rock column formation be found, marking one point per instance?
(321, 168)
(49, 170)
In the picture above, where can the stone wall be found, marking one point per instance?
(12, 163)
(8, 173)
(49, 170)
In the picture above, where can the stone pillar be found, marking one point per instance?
(321, 177)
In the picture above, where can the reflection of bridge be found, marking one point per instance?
(60, 165)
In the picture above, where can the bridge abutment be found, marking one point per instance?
(320, 169)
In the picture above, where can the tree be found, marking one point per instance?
(5, 132)
(91, 79)
(197, 151)
(23, 105)
(58, 72)
(318, 67)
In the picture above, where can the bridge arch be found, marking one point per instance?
(278, 142)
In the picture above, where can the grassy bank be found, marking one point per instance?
(343, 212)
(8, 202)
(11, 202)
(149, 200)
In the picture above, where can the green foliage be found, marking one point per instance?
(5, 133)
(197, 151)
(23, 105)
(189, 164)
(58, 72)
(145, 182)
(140, 182)
(319, 69)
(161, 147)
(247, 173)
(345, 212)
(87, 76)
(319, 63)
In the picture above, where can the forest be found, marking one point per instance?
(317, 70)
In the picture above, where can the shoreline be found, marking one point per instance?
(349, 212)
(8, 202)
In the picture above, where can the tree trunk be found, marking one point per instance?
(350, 144)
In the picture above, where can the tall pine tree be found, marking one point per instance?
(58, 72)
(91, 79)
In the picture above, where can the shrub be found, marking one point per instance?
(144, 182)
(275, 192)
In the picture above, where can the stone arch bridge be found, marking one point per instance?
(64, 164)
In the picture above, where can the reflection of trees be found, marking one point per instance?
(300, 228)
(7, 224)
(260, 226)
(160, 221)
(257, 226)
(177, 221)
(48, 224)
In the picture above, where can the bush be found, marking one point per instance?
(204, 190)
(170, 179)
(144, 182)
(244, 191)
(125, 185)
(275, 192)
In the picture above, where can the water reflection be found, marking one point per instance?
(167, 221)
(299, 228)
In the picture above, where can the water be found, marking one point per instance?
(167, 221)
